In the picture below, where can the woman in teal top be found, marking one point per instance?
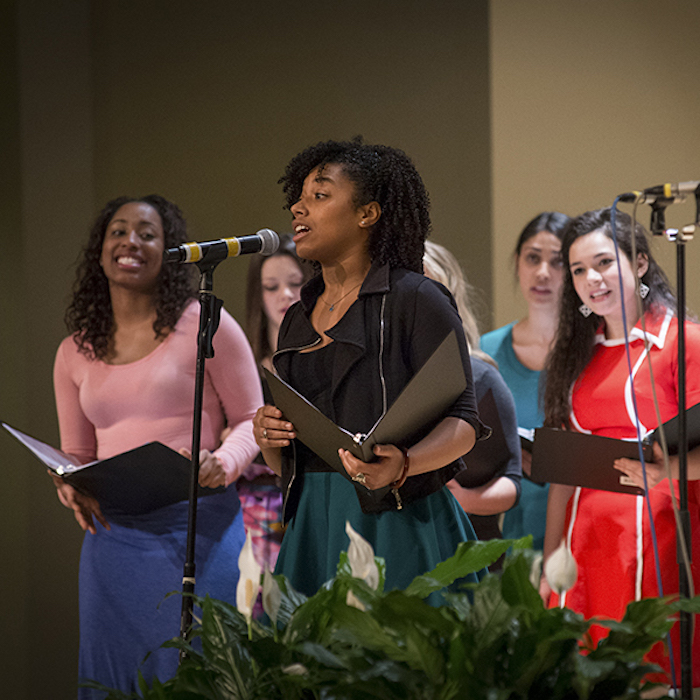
(520, 349)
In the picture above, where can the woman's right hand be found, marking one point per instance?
(270, 430)
(84, 508)
(545, 590)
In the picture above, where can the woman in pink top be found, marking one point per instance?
(124, 377)
(589, 390)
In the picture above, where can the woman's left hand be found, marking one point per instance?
(211, 470)
(655, 470)
(375, 475)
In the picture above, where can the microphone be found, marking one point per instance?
(668, 193)
(264, 241)
(675, 192)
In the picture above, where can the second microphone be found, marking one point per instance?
(264, 241)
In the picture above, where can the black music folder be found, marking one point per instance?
(579, 459)
(423, 402)
(135, 482)
(670, 427)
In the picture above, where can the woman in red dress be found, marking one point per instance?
(589, 389)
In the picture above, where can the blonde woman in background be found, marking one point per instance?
(491, 483)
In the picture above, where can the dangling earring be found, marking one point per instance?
(585, 310)
(643, 289)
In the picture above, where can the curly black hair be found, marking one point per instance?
(381, 174)
(575, 340)
(89, 316)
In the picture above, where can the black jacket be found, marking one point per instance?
(398, 320)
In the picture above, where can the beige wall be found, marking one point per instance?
(203, 103)
(207, 106)
(589, 100)
(48, 170)
(571, 104)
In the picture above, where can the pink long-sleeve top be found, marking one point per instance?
(104, 409)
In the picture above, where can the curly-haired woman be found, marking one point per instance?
(124, 377)
(364, 326)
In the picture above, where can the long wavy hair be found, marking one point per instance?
(575, 340)
(381, 174)
(89, 316)
(439, 264)
(256, 321)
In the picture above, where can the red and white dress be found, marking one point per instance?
(609, 533)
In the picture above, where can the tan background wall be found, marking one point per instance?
(204, 103)
(550, 104)
(589, 100)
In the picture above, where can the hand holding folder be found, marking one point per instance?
(580, 459)
(423, 402)
(135, 482)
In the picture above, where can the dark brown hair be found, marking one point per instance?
(255, 317)
(575, 340)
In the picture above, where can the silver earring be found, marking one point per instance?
(585, 310)
(643, 290)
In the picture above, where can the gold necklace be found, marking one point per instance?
(332, 306)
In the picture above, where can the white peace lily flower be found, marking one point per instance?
(295, 670)
(536, 571)
(354, 602)
(271, 595)
(560, 569)
(361, 558)
(248, 579)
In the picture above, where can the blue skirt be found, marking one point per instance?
(125, 575)
(412, 541)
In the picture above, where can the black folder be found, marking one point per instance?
(422, 403)
(135, 482)
(670, 427)
(579, 459)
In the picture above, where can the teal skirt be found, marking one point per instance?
(529, 516)
(412, 541)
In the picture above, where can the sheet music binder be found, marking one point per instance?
(135, 482)
(423, 401)
(579, 459)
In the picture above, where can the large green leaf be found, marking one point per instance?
(470, 558)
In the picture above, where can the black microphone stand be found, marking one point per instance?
(680, 237)
(210, 313)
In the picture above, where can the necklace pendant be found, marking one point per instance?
(332, 307)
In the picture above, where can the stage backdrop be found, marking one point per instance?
(204, 103)
(508, 108)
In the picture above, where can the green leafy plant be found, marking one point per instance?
(493, 640)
